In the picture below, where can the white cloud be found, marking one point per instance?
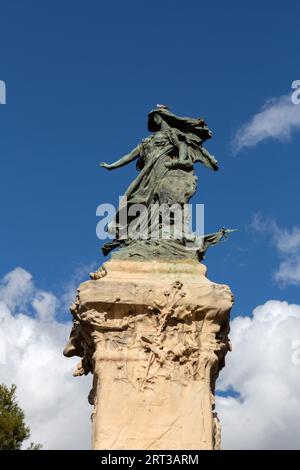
(289, 271)
(16, 287)
(278, 119)
(263, 369)
(287, 243)
(31, 345)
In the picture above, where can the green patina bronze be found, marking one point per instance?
(165, 161)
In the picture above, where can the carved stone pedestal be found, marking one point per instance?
(154, 334)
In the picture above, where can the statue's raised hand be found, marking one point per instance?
(106, 165)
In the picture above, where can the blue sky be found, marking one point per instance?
(81, 77)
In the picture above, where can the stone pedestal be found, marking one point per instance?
(154, 335)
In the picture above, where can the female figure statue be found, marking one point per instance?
(165, 161)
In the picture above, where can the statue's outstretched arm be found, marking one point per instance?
(124, 160)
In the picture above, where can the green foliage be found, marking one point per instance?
(13, 430)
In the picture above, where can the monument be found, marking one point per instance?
(149, 325)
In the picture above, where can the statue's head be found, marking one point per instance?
(155, 120)
(162, 114)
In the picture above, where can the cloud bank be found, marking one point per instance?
(263, 369)
(31, 345)
(287, 243)
(278, 119)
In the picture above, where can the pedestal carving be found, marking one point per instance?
(154, 334)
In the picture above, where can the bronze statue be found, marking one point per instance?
(165, 161)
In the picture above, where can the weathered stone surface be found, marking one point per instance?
(154, 334)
